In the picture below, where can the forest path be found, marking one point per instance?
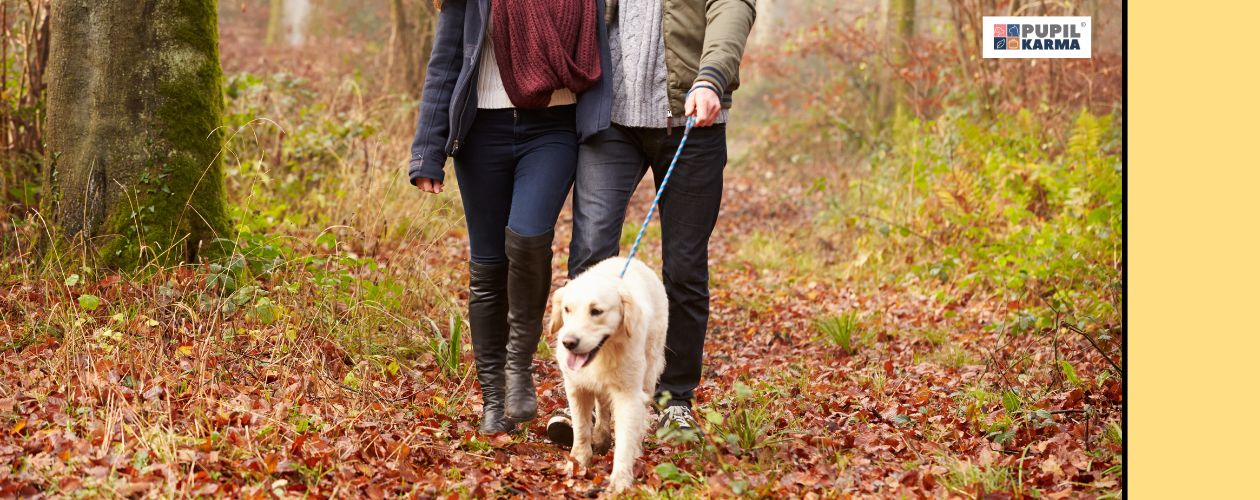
(909, 394)
(910, 407)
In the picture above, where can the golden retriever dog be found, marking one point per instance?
(610, 342)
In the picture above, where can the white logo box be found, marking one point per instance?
(1055, 33)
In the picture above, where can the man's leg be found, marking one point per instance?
(689, 212)
(610, 165)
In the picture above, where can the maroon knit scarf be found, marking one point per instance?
(543, 46)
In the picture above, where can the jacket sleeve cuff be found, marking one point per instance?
(712, 75)
(427, 168)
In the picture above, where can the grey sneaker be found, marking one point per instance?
(560, 426)
(678, 420)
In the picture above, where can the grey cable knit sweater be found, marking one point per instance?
(637, 40)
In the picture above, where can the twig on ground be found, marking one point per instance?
(1097, 347)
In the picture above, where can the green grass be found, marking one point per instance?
(843, 331)
(953, 356)
(544, 349)
(749, 426)
(963, 477)
(1114, 434)
(765, 250)
(448, 350)
(960, 206)
(935, 336)
(633, 223)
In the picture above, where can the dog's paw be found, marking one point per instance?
(581, 455)
(620, 482)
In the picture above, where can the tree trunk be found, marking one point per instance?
(412, 25)
(900, 32)
(135, 103)
(426, 29)
(23, 59)
(275, 16)
(400, 46)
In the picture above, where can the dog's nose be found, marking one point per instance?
(569, 342)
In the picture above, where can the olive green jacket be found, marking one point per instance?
(704, 42)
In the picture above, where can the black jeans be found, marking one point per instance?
(515, 170)
(610, 166)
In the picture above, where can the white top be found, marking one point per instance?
(490, 91)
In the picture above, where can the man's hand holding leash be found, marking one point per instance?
(704, 103)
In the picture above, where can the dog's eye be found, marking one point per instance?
(595, 311)
(566, 309)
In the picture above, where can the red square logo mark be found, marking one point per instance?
(999, 30)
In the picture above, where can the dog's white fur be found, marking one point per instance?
(619, 380)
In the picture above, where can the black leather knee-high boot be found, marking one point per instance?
(529, 281)
(487, 317)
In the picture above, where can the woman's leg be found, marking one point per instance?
(485, 174)
(546, 161)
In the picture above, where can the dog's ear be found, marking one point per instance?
(631, 315)
(557, 311)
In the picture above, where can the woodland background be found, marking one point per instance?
(917, 273)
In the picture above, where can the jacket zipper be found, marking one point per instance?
(669, 120)
(459, 123)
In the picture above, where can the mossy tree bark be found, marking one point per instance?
(135, 104)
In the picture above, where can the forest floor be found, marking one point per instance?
(815, 386)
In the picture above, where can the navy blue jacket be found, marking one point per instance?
(449, 103)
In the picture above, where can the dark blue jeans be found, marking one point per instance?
(515, 169)
(611, 164)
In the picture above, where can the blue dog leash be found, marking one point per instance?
(691, 121)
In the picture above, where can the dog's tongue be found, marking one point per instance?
(577, 360)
